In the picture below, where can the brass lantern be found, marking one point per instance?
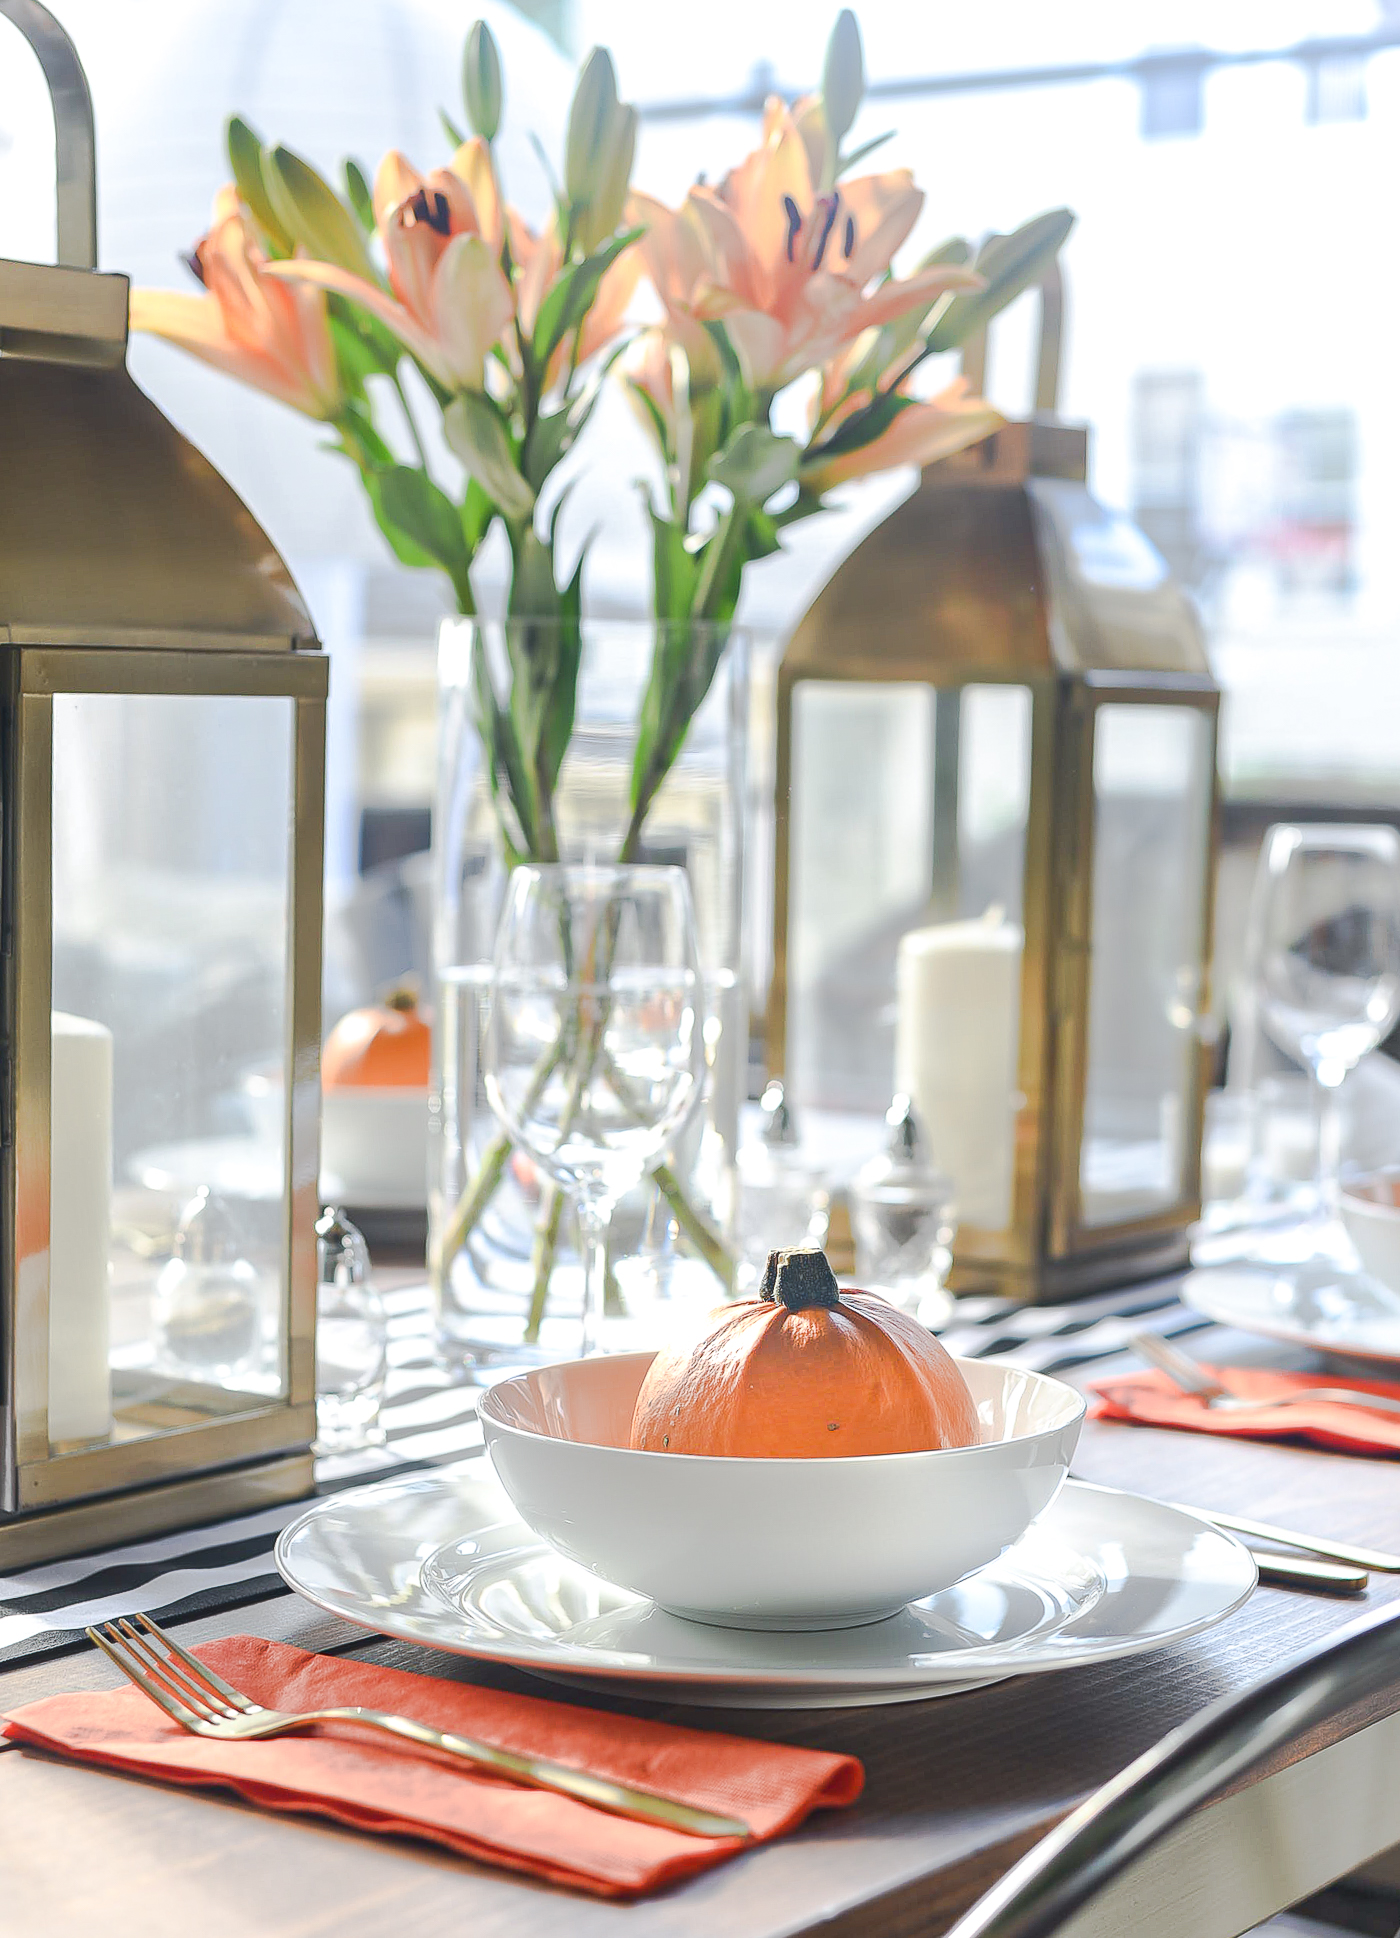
(996, 815)
(162, 733)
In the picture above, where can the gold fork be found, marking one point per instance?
(193, 1696)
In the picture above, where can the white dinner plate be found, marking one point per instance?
(441, 1559)
(1322, 1305)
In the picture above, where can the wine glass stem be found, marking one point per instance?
(593, 1217)
(1328, 1109)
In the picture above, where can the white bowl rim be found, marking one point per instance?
(1352, 1188)
(817, 1462)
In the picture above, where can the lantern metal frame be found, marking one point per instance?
(971, 581)
(170, 587)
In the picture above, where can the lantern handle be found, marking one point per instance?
(1047, 360)
(74, 142)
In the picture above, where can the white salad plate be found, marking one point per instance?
(1322, 1305)
(441, 1559)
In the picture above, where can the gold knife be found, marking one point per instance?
(1381, 1564)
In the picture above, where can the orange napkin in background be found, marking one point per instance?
(1151, 1399)
(370, 1783)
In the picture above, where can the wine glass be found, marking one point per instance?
(1324, 942)
(594, 1052)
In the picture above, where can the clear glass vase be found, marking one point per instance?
(489, 1290)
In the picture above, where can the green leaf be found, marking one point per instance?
(312, 213)
(1010, 264)
(450, 129)
(848, 162)
(862, 427)
(408, 501)
(570, 296)
(405, 547)
(354, 359)
(674, 569)
(761, 536)
(505, 766)
(477, 512)
(657, 421)
(559, 721)
(358, 192)
(356, 422)
(956, 250)
(549, 439)
(245, 154)
(754, 464)
(477, 434)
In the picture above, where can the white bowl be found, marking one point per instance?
(1370, 1208)
(773, 1543)
(374, 1145)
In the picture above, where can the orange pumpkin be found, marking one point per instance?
(805, 1372)
(387, 1046)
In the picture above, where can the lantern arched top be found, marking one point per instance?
(113, 529)
(1001, 565)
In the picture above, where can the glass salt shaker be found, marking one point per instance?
(782, 1200)
(902, 1218)
(209, 1296)
(351, 1335)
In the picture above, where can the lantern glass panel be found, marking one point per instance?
(1152, 802)
(172, 816)
(909, 813)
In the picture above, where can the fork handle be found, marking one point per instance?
(622, 1799)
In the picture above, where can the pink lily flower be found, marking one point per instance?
(925, 431)
(786, 269)
(450, 298)
(538, 259)
(269, 334)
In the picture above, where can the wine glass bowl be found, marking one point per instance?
(1325, 948)
(594, 1051)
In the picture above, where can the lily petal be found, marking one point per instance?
(883, 208)
(472, 304)
(921, 435)
(419, 341)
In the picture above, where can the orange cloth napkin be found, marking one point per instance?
(1151, 1399)
(372, 1784)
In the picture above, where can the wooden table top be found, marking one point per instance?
(957, 1788)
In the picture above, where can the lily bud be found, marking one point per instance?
(481, 81)
(591, 119)
(313, 214)
(614, 176)
(245, 154)
(843, 75)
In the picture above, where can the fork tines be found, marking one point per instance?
(187, 1690)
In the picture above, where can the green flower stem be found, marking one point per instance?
(697, 1229)
(542, 1257)
(469, 1207)
(479, 1193)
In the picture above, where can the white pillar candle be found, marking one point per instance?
(957, 1034)
(80, 1221)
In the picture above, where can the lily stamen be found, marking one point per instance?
(794, 217)
(435, 214)
(833, 203)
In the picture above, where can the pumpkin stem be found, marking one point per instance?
(403, 996)
(800, 1278)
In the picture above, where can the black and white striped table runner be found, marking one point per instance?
(430, 1420)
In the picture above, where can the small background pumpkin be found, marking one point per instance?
(806, 1372)
(385, 1046)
